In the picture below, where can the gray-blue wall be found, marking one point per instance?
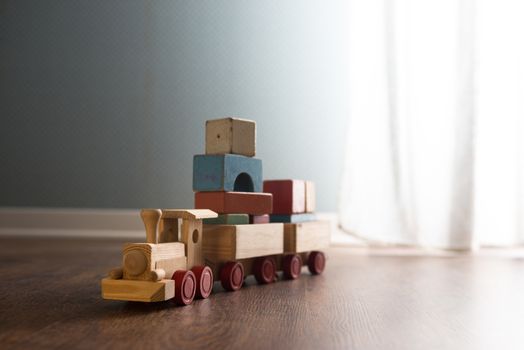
(103, 103)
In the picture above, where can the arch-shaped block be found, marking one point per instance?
(226, 172)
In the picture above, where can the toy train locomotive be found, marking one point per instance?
(230, 235)
(165, 268)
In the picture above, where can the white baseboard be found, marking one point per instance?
(67, 222)
(109, 223)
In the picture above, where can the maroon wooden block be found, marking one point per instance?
(252, 203)
(259, 219)
(289, 196)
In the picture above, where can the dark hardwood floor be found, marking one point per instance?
(50, 298)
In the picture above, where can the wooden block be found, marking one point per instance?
(288, 196)
(228, 219)
(138, 290)
(191, 235)
(139, 259)
(231, 135)
(259, 219)
(171, 265)
(293, 218)
(151, 219)
(227, 172)
(233, 242)
(311, 197)
(235, 202)
(168, 230)
(306, 236)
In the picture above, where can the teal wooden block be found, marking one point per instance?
(228, 219)
(227, 172)
(293, 218)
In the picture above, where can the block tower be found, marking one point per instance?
(228, 178)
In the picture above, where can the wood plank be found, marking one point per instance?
(235, 202)
(368, 298)
(143, 291)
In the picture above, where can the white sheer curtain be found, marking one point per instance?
(435, 149)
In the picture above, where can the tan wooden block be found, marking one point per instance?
(191, 236)
(306, 236)
(138, 290)
(139, 259)
(311, 197)
(168, 230)
(151, 219)
(172, 265)
(231, 135)
(188, 214)
(233, 242)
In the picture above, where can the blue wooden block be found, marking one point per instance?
(227, 172)
(293, 218)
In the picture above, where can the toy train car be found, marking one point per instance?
(181, 256)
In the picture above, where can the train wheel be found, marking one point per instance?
(265, 270)
(185, 287)
(204, 279)
(316, 262)
(232, 276)
(292, 266)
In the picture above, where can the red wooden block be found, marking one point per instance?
(288, 195)
(259, 219)
(253, 203)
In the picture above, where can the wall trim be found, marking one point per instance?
(98, 223)
(69, 222)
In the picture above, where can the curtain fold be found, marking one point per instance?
(434, 155)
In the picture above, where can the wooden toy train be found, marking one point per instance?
(186, 248)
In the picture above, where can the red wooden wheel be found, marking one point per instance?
(185, 287)
(232, 276)
(292, 266)
(265, 270)
(316, 262)
(204, 279)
